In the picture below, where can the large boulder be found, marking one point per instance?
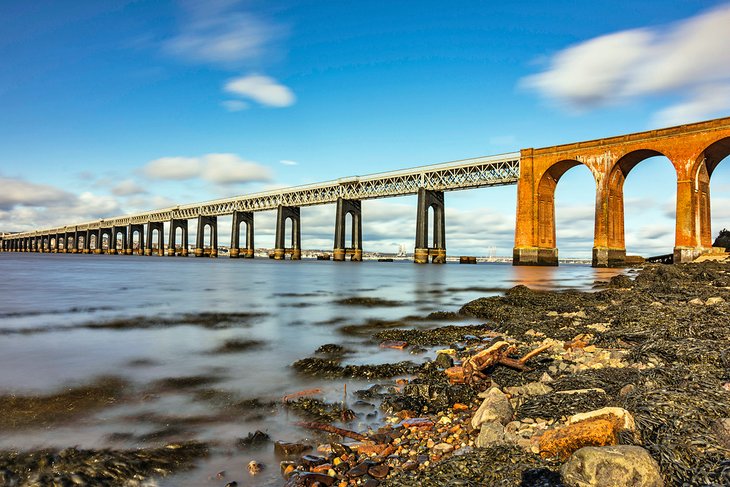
(611, 466)
(495, 408)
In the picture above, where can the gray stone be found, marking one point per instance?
(611, 466)
(491, 433)
(530, 389)
(496, 407)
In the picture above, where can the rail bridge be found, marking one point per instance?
(694, 151)
(428, 182)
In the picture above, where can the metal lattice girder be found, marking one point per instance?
(449, 176)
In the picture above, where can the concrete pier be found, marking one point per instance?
(172, 249)
(236, 250)
(341, 251)
(285, 213)
(428, 199)
(200, 250)
(139, 230)
(151, 228)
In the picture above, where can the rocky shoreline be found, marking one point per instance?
(635, 375)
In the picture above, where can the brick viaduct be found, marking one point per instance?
(694, 150)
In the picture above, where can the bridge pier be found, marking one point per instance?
(348, 207)
(160, 228)
(113, 244)
(172, 250)
(139, 229)
(200, 250)
(428, 199)
(236, 250)
(280, 251)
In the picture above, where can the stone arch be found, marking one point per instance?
(615, 194)
(546, 187)
(704, 165)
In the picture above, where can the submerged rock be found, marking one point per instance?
(612, 466)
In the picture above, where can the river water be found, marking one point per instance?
(67, 320)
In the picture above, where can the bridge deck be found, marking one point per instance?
(449, 176)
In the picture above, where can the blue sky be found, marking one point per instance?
(110, 107)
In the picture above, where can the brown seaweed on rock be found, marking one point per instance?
(97, 467)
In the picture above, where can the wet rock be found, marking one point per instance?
(310, 461)
(611, 466)
(491, 433)
(495, 407)
(714, 300)
(444, 360)
(253, 440)
(561, 442)
(358, 470)
(307, 479)
(379, 471)
(285, 448)
(254, 467)
(232, 484)
(443, 448)
(394, 344)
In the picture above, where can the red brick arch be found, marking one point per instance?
(690, 148)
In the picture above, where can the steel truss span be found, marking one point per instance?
(449, 176)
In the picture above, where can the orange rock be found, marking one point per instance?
(419, 423)
(460, 407)
(322, 468)
(563, 441)
(455, 374)
(396, 344)
(406, 414)
(365, 449)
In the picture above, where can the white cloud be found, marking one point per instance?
(16, 192)
(215, 168)
(229, 169)
(263, 89)
(220, 32)
(127, 187)
(688, 59)
(234, 105)
(289, 163)
(175, 168)
(27, 206)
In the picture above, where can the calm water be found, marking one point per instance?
(48, 301)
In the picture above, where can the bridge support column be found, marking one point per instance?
(75, 247)
(236, 250)
(160, 228)
(200, 249)
(535, 225)
(172, 249)
(284, 213)
(428, 199)
(139, 228)
(354, 208)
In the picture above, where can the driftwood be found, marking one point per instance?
(333, 429)
(473, 369)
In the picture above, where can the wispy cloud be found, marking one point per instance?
(227, 35)
(221, 169)
(221, 32)
(688, 59)
(262, 89)
(287, 162)
(128, 187)
(234, 105)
